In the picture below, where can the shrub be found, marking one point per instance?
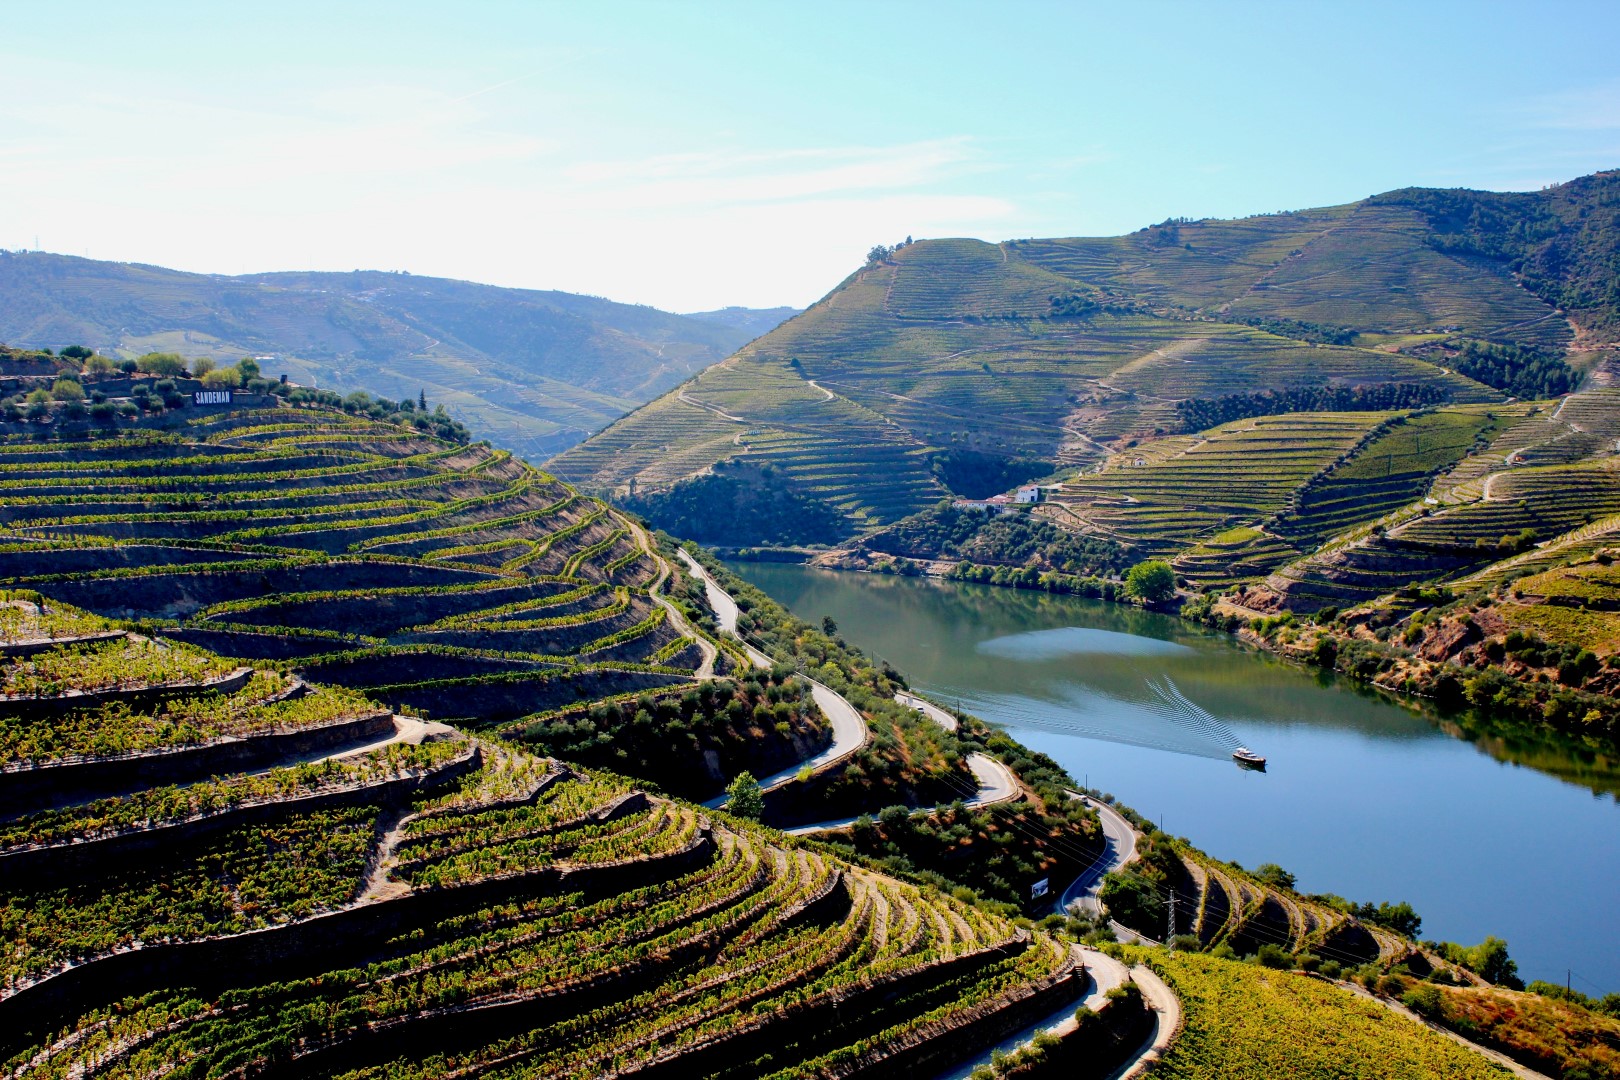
(66, 389)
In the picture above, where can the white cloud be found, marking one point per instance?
(375, 174)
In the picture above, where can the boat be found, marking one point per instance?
(1248, 758)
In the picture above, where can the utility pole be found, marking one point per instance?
(1170, 918)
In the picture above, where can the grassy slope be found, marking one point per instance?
(536, 371)
(953, 345)
(1244, 1021)
(947, 348)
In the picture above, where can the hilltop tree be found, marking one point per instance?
(1151, 582)
(745, 799)
(421, 399)
(162, 363)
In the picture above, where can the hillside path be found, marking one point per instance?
(705, 670)
(1103, 973)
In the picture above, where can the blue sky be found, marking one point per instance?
(691, 155)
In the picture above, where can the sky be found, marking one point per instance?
(696, 155)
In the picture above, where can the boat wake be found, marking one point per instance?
(1174, 706)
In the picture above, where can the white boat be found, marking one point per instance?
(1244, 756)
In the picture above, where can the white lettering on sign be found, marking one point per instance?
(210, 397)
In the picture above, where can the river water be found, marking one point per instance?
(1363, 796)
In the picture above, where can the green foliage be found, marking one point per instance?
(161, 363)
(1489, 960)
(738, 503)
(1152, 582)
(1017, 540)
(978, 476)
(743, 797)
(1521, 370)
(1199, 414)
(665, 739)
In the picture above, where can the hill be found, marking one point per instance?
(538, 371)
(755, 321)
(945, 365)
(333, 743)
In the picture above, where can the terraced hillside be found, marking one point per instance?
(221, 869)
(449, 578)
(311, 729)
(1056, 354)
(534, 371)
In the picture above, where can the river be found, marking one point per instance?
(1363, 797)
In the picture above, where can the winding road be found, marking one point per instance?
(996, 782)
(1119, 850)
(849, 729)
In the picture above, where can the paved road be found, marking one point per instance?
(996, 782)
(928, 708)
(849, 729)
(1119, 849)
(1103, 973)
(1166, 1025)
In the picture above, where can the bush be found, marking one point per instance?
(66, 389)
(1423, 999)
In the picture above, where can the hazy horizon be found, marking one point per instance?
(695, 157)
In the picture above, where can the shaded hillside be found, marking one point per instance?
(537, 371)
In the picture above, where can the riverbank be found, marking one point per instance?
(1068, 679)
(1447, 663)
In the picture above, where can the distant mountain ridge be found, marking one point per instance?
(942, 361)
(534, 370)
(756, 321)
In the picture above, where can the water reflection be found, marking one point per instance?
(1077, 641)
(1367, 796)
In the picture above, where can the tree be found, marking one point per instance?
(744, 797)
(421, 399)
(1274, 875)
(65, 389)
(249, 368)
(202, 366)
(162, 363)
(829, 627)
(1490, 959)
(222, 379)
(76, 352)
(98, 365)
(1152, 581)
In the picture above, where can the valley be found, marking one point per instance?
(535, 371)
